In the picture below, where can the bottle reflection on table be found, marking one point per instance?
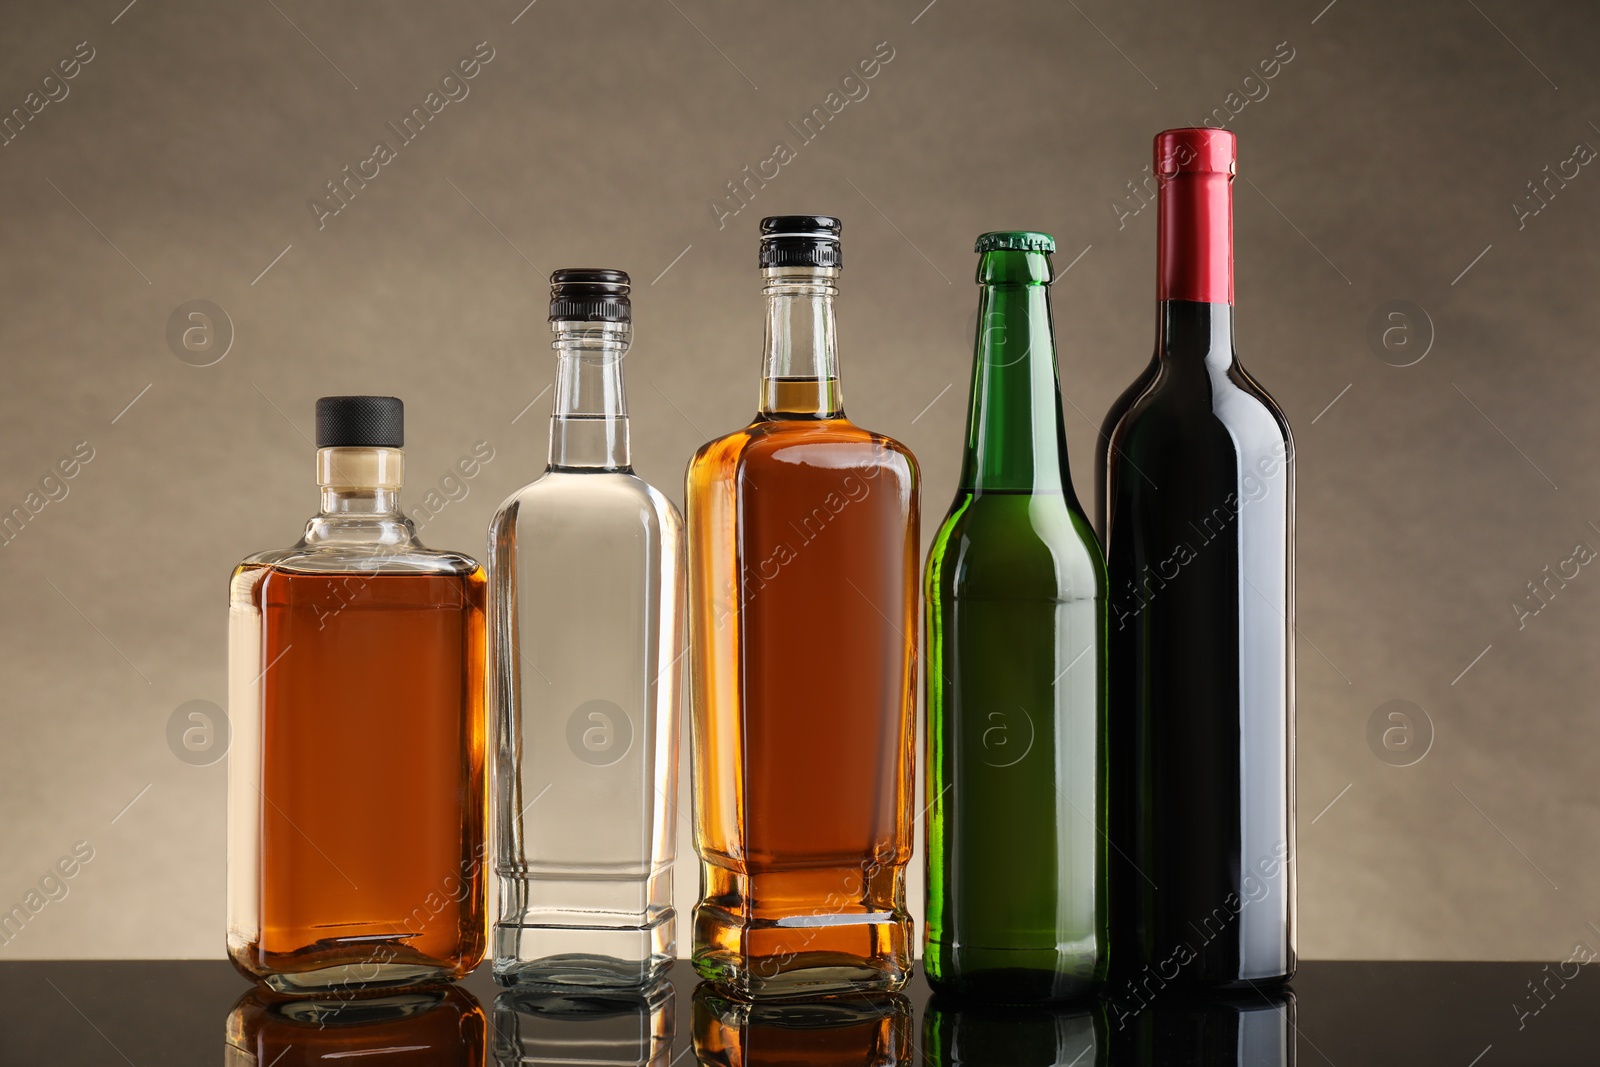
(847, 1031)
(438, 1026)
(585, 1027)
(984, 1035)
(1251, 1028)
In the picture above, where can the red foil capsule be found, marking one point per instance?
(1194, 218)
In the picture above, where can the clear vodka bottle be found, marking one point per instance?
(586, 605)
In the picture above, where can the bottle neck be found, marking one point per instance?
(801, 376)
(1190, 333)
(1194, 237)
(344, 502)
(589, 425)
(360, 498)
(1015, 437)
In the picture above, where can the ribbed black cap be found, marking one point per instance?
(361, 422)
(584, 294)
(800, 241)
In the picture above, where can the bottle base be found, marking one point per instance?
(355, 977)
(331, 967)
(781, 962)
(1145, 977)
(814, 931)
(564, 957)
(1018, 976)
(799, 978)
(1268, 980)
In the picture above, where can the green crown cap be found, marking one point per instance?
(1015, 241)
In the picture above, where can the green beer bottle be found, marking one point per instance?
(1016, 667)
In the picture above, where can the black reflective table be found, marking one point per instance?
(1342, 1013)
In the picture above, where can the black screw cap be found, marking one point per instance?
(801, 241)
(585, 294)
(361, 422)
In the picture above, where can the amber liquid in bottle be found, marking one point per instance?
(803, 560)
(337, 871)
(358, 801)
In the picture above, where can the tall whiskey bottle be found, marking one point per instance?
(586, 613)
(357, 829)
(803, 576)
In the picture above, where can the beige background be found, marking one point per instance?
(1383, 161)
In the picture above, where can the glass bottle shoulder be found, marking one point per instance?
(357, 547)
(831, 443)
(411, 558)
(1015, 546)
(578, 502)
(1251, 405)
(1125, 401)
(1193, 405)
(588, 496)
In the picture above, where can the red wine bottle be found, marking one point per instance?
(1196, 497)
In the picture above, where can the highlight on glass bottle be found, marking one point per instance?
(1197, 510)
(1016, 674)
(587, 634)
(356, 796)
(803, 552)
